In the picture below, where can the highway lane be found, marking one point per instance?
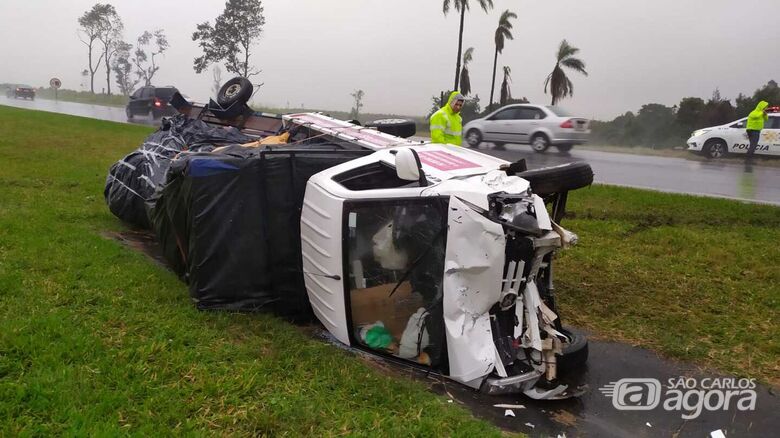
(724, 179)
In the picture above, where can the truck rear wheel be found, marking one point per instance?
(566, 177)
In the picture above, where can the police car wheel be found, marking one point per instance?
(473, 138)
(715, 148)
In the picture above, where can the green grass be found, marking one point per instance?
(693, 278)
(97, 340)
(82, 97)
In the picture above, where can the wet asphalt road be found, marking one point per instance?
(709, 178)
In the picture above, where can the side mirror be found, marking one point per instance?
(409, 167)
(131, 97)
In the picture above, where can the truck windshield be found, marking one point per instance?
(395, 255)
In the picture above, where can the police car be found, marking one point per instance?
(731, 138)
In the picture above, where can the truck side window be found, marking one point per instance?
(377, 175)
(395, 256)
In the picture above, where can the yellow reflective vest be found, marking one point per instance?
(446, 126)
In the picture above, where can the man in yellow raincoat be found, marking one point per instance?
(446, 123)
(755, 123)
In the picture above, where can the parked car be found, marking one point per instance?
(731, 138)
(431, 255)
(152, 102)
(21, 91)
(538, 125)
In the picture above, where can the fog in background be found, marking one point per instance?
(316, 52)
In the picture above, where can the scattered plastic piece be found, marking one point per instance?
(449, 401)
(530, 425)
(506, 406)
(649, 425)
(561, 435)
(509, 413)
(717, 434)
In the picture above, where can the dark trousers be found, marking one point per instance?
(753, 136)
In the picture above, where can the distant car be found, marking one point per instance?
(538, 125)
(152, 102)
(731, 138)
(21, 91)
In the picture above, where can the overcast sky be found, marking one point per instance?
(400, 52)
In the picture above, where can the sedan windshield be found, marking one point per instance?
(558, 111)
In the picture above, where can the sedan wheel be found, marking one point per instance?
(540, 143)
(473, 138)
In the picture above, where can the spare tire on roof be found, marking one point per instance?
(546, 181)
(237, 90)
(399, 127)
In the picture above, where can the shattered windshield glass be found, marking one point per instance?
(395, 256)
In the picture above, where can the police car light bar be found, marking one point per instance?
(773, 109)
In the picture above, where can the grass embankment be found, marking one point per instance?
(82, 97)
(693, 278)
(97, 340)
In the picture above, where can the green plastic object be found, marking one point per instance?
(377, 337)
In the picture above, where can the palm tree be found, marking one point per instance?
(462, 6)
(560, 84)
(503, 33)
(506, 94)
(465, 80)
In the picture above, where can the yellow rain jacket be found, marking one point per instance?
(446, 126)
(757, 117)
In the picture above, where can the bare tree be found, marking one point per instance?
(146, 72)
(88, 33)
(358, 96)
(110, 33)
(230, 39)
(123, 68)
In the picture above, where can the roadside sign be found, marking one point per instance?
(56, 84)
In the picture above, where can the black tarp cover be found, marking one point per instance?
(133, 180)
(229, 224)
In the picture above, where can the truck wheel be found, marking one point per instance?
(548, 180)
(575, 353)
(716, 148)
(540, 143)
(403, 128)
(237, 90)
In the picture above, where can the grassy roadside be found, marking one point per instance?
(117, 100)
(694, 278)
(96, 340)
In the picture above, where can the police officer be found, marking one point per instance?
(446, 123)
(755, 123)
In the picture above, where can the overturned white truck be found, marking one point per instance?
(433, 255)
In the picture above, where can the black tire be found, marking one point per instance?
(403, 128)
(235, 91)
(548, 180)
(565, 147)
(575, 353)
(540, 143)
(129, 114)
(473, 138)
(715, 148)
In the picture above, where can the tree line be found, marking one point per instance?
(660, 126)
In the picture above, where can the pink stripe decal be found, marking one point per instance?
(443, 161)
